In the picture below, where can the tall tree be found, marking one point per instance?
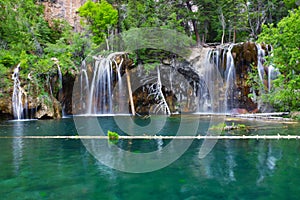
(261, 12)
(101, 18)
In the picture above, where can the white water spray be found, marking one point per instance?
(17, 97)
(230, 77)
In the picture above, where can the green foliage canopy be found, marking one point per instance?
(101, 17)
(27, 38)
(285, 56)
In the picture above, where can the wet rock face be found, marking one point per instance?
(65, 98)
(245, 57)
(179, 85)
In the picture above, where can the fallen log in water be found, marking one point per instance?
(153, 137)
(271, 116)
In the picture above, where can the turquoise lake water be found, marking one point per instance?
(64, 169)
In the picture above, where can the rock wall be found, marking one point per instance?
(245, 58)
(63, 9)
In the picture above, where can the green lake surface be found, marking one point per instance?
(64, 168)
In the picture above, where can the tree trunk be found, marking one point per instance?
(130, 92)
(234, 34)
(196, 32)
(222, 20)
(198, 40)
(119, 25)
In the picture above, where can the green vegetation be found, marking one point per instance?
(113, 137)
(224, 126)
(205, 21)
(285, 56)
(219, 126)
(40, 46)
(241, 126)
(101, 18)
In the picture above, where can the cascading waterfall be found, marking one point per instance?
(219, 60)
(17, 97)
(60, 92)
(272, 74)
(260, 62)
(207, 82)
(230, 77)
(102, 87)
(103, 91)
(234, 63)
(84, 86)
(265, 77)
(120, 84)
(96, 95)
(205, 93)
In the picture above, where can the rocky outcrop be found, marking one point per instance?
(48, 109)
(63, 9)
(5, 105)
(245, 58)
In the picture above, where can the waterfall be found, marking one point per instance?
(260, 62)
(90, 102)
(205, 93)
(17, 96)
(230, 77)
(84, 87)
(60, 92)
(272, 74)
(210, 83)
(101, 85)
(96, 96)
(265, 78)
(218, 77)
(120, 84)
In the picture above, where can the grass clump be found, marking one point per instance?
(113, 137)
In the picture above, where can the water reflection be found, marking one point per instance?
(160, 144)
(268, 155)
(220, 165)
(229, 159)
(17, 145)
(63, 169)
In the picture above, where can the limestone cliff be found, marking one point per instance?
(63, 9)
